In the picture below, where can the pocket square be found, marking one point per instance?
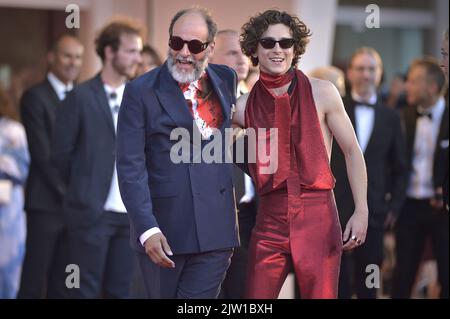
(444, 144)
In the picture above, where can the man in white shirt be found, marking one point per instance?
(378, 130)
(84, 151)
(423, 215)
(43, 274)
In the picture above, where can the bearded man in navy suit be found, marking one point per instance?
(183, 219)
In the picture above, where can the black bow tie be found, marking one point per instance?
(113, 95)
(420, 114)
(363, 104)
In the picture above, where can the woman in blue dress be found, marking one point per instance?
(14, 162)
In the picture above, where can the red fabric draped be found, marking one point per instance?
(297, 225)
(299, 134)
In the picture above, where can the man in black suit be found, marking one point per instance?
(379, 134)
(423, 214)
(43, 273)
(84, 151)
(228, 51)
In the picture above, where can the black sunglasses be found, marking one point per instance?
(195, 46)
(269, 43)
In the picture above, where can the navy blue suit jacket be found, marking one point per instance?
(192, 203)
(83, 149)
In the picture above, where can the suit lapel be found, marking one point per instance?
(350, 108)
(172, 100)
(53, 97)
(51, 100)
(221, 90)
(102, 101)
(443, 130)
(376, 128)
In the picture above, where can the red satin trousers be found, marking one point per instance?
(295, 232)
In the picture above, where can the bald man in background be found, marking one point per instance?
(228, 52)
(43, 274)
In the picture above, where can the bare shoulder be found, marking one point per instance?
(239, 116)
(326, 95)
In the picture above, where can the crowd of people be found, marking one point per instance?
(88, 176)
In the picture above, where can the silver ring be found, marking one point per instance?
(354, 238)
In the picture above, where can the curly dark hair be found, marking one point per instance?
(257, 25)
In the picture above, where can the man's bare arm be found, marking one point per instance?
(342, 130)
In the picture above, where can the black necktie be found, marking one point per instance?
(357, 103)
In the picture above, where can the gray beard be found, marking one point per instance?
(183, 77)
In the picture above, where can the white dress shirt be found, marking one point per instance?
(364, 120)
(427, 132)
(248, 183)
(114, 201)
(60, 88)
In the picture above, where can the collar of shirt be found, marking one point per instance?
(436, 110)
(372, 100)
(59, 87)
(119, 93)
(241, 89)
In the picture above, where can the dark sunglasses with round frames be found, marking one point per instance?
(269, 43)
(194, 46)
